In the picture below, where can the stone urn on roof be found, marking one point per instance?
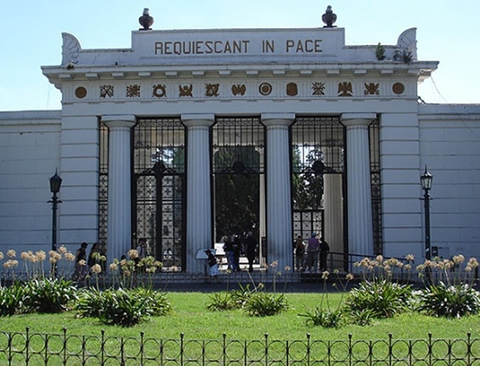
(145, 20)
(329, 18)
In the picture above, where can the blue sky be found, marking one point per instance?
(31, 30)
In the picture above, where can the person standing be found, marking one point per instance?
(81, 267)
(251, 249)
(324, 249)
(142, 248)
(228, 249)
(93, 257)
(313, 248)
(299, 253)
(237, 249)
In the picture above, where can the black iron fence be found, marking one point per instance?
(29, 348)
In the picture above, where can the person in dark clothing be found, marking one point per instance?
(81, 267)
(299, 254)
(91, 257)
(228, 249)
(212, 264)
(251, 249)
(237, 249)
(324, 249)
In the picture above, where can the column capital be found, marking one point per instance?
(277, 119)
(198, 119)
(119, 120)
(357, 119)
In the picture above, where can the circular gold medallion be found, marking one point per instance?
(80, 92)
(398, 88)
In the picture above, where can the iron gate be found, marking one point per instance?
(317, 149)
(158, 187)
(237, 159)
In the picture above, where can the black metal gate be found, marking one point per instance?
(317, 149)
(307, 221)
(158, 187)
(374, 141)
(237, 159)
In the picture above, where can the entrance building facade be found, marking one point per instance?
(187, 118)
(190, 136)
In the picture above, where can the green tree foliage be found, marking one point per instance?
(307, 184)
(237, 190)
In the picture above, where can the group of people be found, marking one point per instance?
(82, 263)
(233, 248)
(308, 256)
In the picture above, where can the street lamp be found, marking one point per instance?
(55, 183)
(426, 181)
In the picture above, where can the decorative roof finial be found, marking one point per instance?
(329, 18)
(145, 20)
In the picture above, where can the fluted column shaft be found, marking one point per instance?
(333, 213)
(119, 239)
(360, 221)
(279, 210)
(199, 200)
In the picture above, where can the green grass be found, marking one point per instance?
(191, 317)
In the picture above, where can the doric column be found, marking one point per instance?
(199, 201)
(360, 222)
(119, 239)
(279, 205)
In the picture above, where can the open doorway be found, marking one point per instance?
(238, 183)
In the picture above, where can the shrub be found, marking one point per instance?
(123, 307)
(221, 301)
(89, 304)
(11, 299)
(383, 298)
(265, 304)
(452, 301)
(49, 295)
(324, 318)
(241, 296)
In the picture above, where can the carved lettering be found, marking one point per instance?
(303, 46)
(180, 48)
(268, 46)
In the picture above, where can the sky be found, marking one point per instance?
(31, 31)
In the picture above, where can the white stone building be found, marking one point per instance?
(150, 137)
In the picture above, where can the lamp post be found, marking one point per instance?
(55, 183)
(426, 181)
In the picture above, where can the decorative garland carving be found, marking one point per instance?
(159, 91)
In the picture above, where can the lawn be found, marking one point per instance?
(191, 317)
